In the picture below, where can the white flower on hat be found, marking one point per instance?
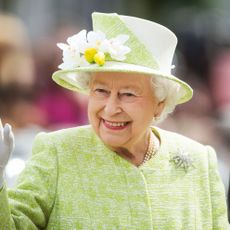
(98, 41)
(117, 50)
(83, 49)
(71, 58)
(78, 41)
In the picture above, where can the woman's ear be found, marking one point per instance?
(159, 108)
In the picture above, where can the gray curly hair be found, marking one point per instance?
(168, 91)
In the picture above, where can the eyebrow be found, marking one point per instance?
(133, 89)
(127, 87)
(98, 84)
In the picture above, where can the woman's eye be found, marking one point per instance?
(100, 92)
(127, 97)
(129, 94)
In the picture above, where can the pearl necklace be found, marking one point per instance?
(151, 151)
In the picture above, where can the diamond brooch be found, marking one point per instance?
(182, 159)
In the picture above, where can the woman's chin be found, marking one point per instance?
(113, 142)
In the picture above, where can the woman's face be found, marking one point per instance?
(121, 108)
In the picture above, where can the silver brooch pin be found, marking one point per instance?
(182, 159)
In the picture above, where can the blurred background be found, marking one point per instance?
(31, 102)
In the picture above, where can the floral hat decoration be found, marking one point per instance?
(119, 44)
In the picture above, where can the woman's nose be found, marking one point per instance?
(112, 105)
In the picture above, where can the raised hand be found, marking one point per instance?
(6, 144)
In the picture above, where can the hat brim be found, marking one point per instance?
(67, 78)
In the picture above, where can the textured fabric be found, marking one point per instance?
(112, 25)
(74, 182)
(1, 177)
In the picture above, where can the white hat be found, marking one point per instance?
(119, 44)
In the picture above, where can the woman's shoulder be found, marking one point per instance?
(178, 143)
(68, 131)
(65, 135)
(171, 137)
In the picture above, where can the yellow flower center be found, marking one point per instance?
(89, 54)
(99, 58)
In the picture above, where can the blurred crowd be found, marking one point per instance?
(31, 102)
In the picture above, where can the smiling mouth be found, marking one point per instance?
(115, 125)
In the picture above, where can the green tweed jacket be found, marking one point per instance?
(74, 182)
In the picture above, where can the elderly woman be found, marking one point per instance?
(120, 172)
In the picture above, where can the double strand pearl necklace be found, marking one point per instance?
(151, 151)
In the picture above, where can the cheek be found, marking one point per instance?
(91, 110)
(142, 113)
(94, 108)
(144, 109)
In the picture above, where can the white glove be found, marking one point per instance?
(6, 147)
